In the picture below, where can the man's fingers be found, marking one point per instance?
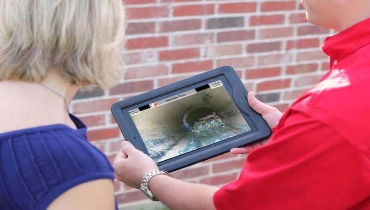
(241, 150)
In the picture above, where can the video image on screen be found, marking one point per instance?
(189, 121)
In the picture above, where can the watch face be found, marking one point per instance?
(145, 183)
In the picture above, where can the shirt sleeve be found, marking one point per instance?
(307, 165)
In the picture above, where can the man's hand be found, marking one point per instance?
(131, 165)
(269, 113)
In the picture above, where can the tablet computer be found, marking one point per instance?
(191, 120)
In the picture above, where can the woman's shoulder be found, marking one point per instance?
(57, 143)
(43, 162)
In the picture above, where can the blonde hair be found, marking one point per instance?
(81, 39)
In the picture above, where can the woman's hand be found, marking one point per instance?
(269, 113)
(131, 165)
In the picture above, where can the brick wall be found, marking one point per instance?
(274, 50)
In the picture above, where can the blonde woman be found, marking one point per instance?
(48, 50)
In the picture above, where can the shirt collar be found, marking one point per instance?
(348, 41)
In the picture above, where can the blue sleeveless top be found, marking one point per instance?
(39, 164)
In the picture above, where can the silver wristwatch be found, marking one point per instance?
(145, 183)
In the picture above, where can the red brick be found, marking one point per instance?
(230, 36)
(193, 10)
(140, 28)
(262, 73)
(165, 81)
(147, 12)
(242, 7)
(303, 68)
(221, 50)
(266, 20)
(225, 22)
(146, 42)
(274, 59)
(270, 33)
(273, 84)
(325, 65)
(180, 25)
(132, 87)
(303, 43)
(193, 39)
(146, 71)
(311, 30)
(93, 106)
(88, 93)
(143, 57)
(102, 134)
(308, 80)
(264, 47)
(187, 67)
(236, 62)
(179, 54)
(278, 6)
(271, 97)
(93, 120)
(312, 55)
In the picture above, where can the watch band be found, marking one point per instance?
(145, 183)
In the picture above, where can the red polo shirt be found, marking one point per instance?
(319, 154)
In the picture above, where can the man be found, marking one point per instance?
(318, 156)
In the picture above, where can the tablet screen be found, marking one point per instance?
(188, 121)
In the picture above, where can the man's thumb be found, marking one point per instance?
(256, 104)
